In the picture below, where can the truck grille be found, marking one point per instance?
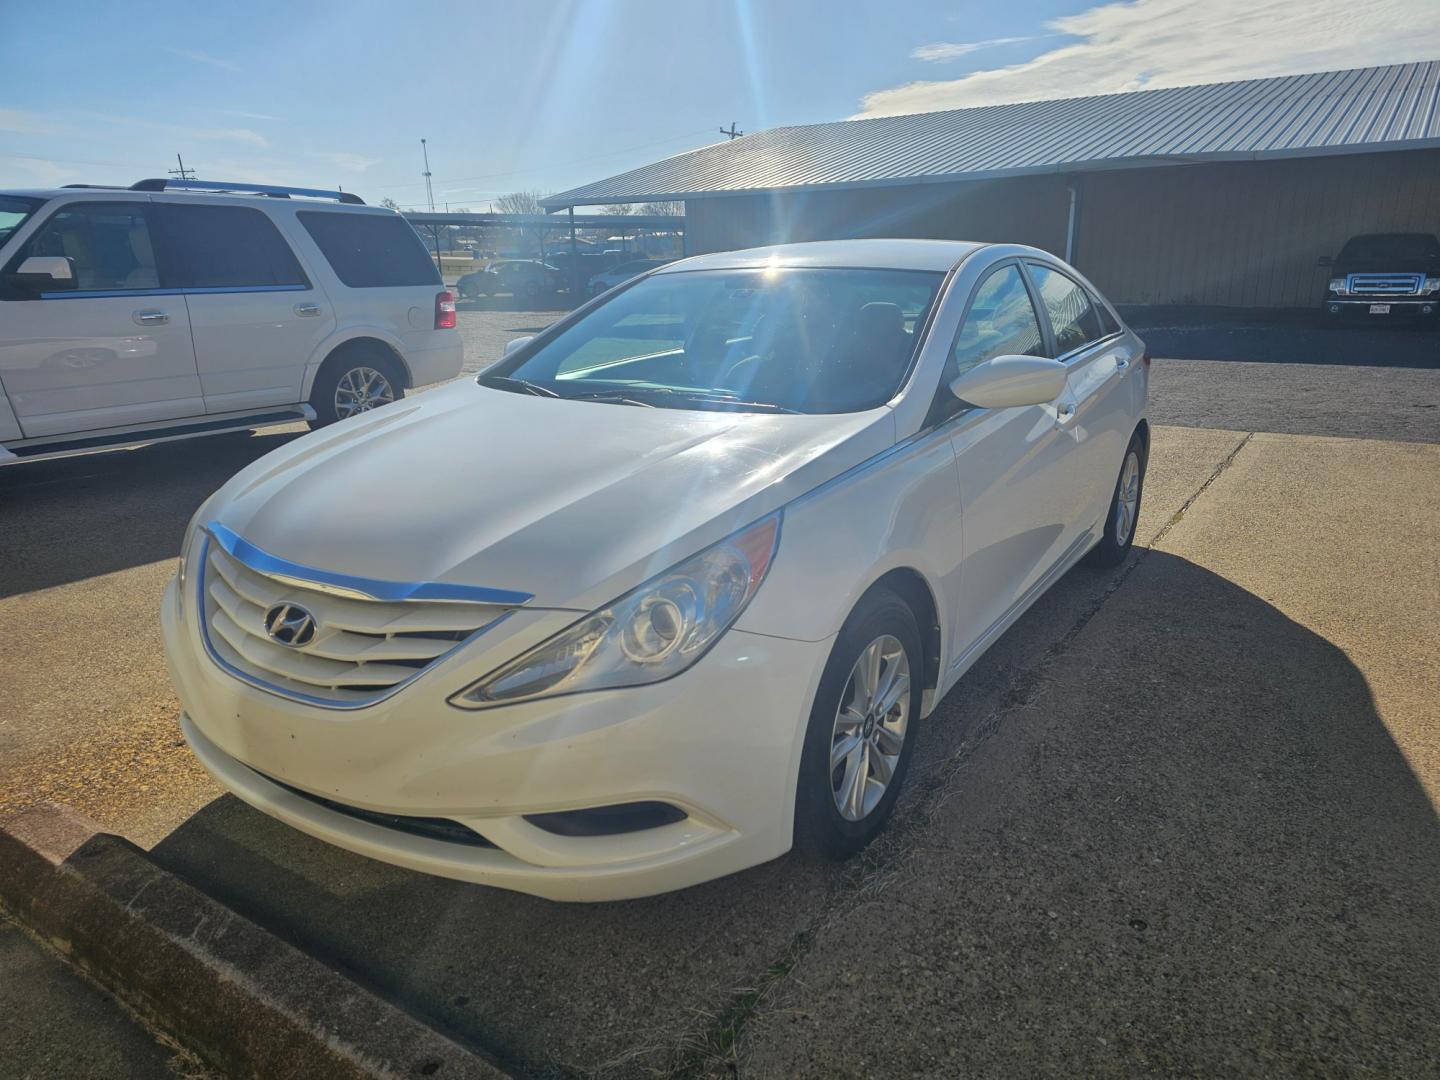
(1389, 284)
(358, 651)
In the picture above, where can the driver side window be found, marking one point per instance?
(1001, 322)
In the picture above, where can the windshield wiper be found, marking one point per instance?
(520, 384)
(726, 399)
(610, 397)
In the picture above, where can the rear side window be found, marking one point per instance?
(1072, 315)
(370, 251)
(1108, 325)
(227, 247)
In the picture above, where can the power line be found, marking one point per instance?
(429, 191)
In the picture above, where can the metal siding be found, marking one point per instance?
(1366, 109)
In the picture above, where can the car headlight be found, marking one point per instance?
(653, 632)
(1337, 285)
(1431, 285)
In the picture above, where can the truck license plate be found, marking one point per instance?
(1379, 309)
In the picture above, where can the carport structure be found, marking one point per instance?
(1221, 194)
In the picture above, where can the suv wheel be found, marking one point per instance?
(858, 743)
(353, 384)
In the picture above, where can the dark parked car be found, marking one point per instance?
(1386, 274)
(528, 280)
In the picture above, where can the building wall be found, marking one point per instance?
(1242, 234)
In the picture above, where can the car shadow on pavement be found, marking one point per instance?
(1160, 826)
(75, 518)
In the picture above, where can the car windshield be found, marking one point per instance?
(787, 340)
(13, 212)
(1391, 246)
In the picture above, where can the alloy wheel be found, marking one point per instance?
(360, 390)
(870, 727)
(1127, 498)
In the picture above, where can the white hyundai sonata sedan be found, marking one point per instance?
(669, 588)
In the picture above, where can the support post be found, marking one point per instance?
(1073, 219)
(574, 260)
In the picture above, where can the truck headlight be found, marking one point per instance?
(653, 632)
(1337, 285)
(1431, 285)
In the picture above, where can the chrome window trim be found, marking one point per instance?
(202, 575)
(356, 588)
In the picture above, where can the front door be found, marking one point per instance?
(254, 314)
(113, 351)
(1011, 462)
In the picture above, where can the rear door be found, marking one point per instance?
(255, 316)
(113, 351)
(1092, 416)
(1013, 463)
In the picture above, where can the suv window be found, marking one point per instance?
(1001, 322)
(1072, 315)
(217, 247)
(13, 212)
(108, 242)
(370, 251)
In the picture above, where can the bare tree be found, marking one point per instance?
(389, 203)
(619, 209)
(663, 209)
(524, 202)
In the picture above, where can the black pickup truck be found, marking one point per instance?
(1386, 275)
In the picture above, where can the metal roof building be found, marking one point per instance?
(1280, 170)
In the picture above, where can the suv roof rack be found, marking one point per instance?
(237, 188)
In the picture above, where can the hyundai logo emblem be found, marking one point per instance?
(290, 625)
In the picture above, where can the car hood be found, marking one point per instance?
(572, 502)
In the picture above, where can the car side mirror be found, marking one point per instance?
(1007, 382)
(519, 342)
(44, 273)
(1325, 260)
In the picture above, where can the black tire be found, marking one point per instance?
(1113, 548)
(820, 827)
(342, 364)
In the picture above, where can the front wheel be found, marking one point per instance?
(1124, 515)
(350, 385)
(859, 739)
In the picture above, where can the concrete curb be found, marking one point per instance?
(246, 1002)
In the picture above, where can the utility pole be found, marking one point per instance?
(429, 191)
(734, 132)
(182, 172)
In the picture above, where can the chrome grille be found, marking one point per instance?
(1391, 284)
(362, 649)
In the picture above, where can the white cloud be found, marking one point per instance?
(43, 172)
(20, 122)
(940, 51)
(205, 58)
(1146, 44)
(244, 135)
(348, 162)
(250, 115)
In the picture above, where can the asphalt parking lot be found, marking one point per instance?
(1180, 819)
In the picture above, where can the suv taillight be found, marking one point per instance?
(445, 311)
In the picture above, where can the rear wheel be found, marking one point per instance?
(1124, 515)
(859, 740)
(354, 383)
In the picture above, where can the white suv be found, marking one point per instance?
(129, 315)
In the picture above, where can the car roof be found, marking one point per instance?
(940, 255)
(97, 192)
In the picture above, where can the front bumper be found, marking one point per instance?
(721, 742)
(1423, 307)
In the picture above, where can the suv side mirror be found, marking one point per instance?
(1325, 260)
(1007, 382)
(516, 343)
(44, 273)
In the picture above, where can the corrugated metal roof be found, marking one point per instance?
(1394, 107)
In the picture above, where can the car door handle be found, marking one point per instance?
(1065, 412)
(1122, 362)
(151, 318)
(307, 311)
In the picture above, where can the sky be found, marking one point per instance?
(543, 95)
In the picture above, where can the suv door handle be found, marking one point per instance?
(307, 311)
(1065, 412)
(150, 318)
